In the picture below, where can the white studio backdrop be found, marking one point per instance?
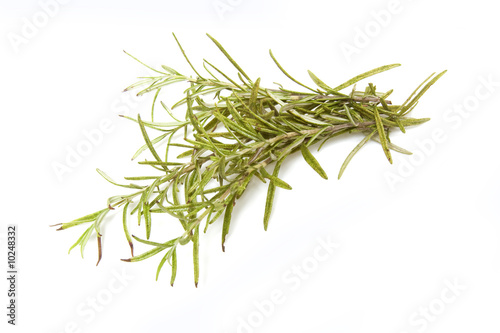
(408, 247)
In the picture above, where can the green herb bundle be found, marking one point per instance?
(233, 138)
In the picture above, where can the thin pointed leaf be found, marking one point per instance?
(270, 196)
(79, 240)
(394, 147)
(277, 181)
(365, 75)
(316, 136)
(354, 151)
(165, 258)
(157, 125)
(162, 262)
(311, 160)
(169, 111)
(165, 245)
(207, 176)
(413, 93)
(381, 134)
(275, 98)
(224, 75)
(99, 219)
(186, 207)
(244, 184)
(147, 219)
(174, 267)
(125, 229)
(84, 219)
(86, 238)
(288, 75)
(105, 176)
(227, 221)
(229, 57)
(145, 255)
(185, 56)
(170, 70)
(153, 104)
(308, 119)
(349, 116)
(254, 95)
(148, 142)
(151, 68)
(318, 82)
(421, 92)
(213, 219)
(187, 153)
(196, 254)
(161, 163)
(145, 146)
(152, 252)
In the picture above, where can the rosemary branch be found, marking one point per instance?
(233, 140)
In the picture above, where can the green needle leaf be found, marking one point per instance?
(288, 75)
(145, 146)
(185, 56)
(80, 239)
(174, 267)
(162, 262)
(274, 179)
(147, 218)
(270, 196)
(170, 253)
(196, 255)
(84, 219)
(422, 91)
(381, 134)
(254, 95)
(311, 160)
(354, 151)
(148, 142)
(229, 57)
(145, 255)
(105, 176)
(318, 82)
(365, 75)
(308, 119)
(86, 238)
(125, 229)
(227, 221)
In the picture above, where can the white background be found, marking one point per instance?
(402, 244)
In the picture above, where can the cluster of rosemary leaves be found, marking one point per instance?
(231, 141)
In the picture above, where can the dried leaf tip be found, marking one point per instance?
(131, 248)
(99, 248)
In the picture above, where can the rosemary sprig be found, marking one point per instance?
(234, 139)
